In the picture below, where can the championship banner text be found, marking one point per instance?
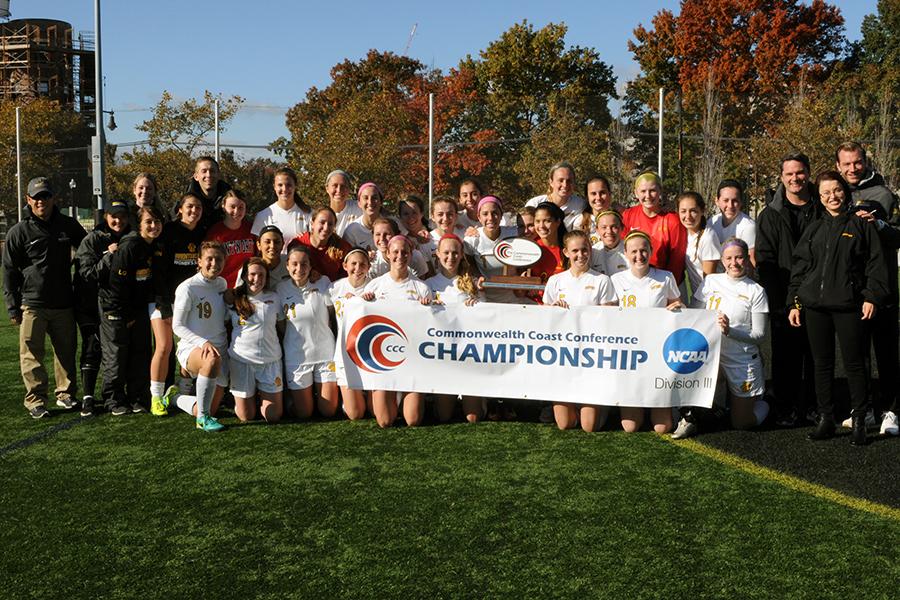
(588, 355)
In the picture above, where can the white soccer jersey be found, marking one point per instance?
(447, 290)
(339, 292)
(737, 298)
(254, 340)
(359, 236)
(609, 260)
(653, 290)
(707, 248)
(291, 222)
(743, 228)
(380, 265)
(587, 289)
(351, 213)
(385, 288)
(571, 209)
(308, 339)
(199, 312)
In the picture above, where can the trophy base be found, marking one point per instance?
(513, 282)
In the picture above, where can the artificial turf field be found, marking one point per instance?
(137, 507)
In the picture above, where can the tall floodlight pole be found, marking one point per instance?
(19, 161)
(216, 136)
(430, 149)
(98, 145)
(660, 161)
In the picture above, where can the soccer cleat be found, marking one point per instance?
(39, 412)
(685, 430)
(66, 401)
(209, 424)
(159, 405)
(889, 425)
(87, 406)
(871, 423)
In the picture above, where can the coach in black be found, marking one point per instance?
(792, 208)
(37, 276)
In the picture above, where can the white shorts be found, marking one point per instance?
(155, 313)
(303, 376)
(246, 378)
(744, 375)
(183, 351)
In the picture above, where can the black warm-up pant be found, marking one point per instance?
(792, 367)
(853, 336)
(126, 360)
(885, 332)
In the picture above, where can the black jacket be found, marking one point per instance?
(873, 190)
(130, 287)
(212, 208)
(180, 248)
(775, 243)
(37, 262)
(838, 265)
(92, 264)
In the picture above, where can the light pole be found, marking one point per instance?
(98, 142)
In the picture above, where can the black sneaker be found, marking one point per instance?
(118, 410)
(137, 407)
(87, 406)
(39, 412)
(66, 401)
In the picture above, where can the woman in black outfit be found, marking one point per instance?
(124, 319)
(838, 280)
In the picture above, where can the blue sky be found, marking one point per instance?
(271, 51)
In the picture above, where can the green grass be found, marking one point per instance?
(151, 508)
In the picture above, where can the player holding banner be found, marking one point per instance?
(644, 286)
(398, 285)
(578, 286)
(743, 313)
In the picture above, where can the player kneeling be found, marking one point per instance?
(742, 309)
(198, 319)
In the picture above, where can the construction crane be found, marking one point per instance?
(412, 34)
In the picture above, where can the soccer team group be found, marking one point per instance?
(256, 305)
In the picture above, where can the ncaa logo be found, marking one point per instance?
(685, 350)
(376, 344)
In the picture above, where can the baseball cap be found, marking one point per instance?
(117, 206)
(39, 185)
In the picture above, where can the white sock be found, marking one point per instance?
(186, 403)
(157, 388)
(206, 387)
(761, 411)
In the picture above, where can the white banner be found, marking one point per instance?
(590, 355)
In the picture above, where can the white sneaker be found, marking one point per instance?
(871, 423)
(685, 430)
(889, 424)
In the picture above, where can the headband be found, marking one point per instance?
(735, 242)
(608, 213)
(270, 229)
(354, 251)
(343, 174)
(638, 233)
(402, 238)
(372, 184)
(449, 236)
(487, 199)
